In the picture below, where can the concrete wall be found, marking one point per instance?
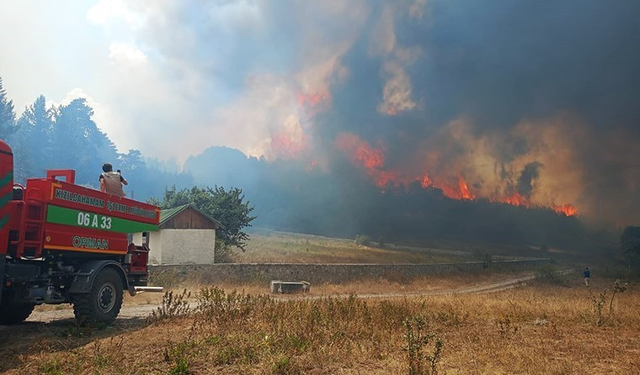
(180, 246)
(321, 273)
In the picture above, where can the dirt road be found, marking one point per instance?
(136, 312)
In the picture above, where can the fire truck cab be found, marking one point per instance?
(65, 243)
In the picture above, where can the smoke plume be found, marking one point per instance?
(528, 103)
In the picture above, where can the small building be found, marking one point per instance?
(186, 235)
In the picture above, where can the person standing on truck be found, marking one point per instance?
(111, 182)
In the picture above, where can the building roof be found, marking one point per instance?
(169, 213)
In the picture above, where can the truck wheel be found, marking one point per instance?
(15, 313)
(103, 302)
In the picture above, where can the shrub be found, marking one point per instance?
(363, 239)
(173, 305)
(419, 362)
(549, 275)
(223, 253)
(600, 301)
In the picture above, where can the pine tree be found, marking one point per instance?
(80, 144)
(7, 114)
(31, 143)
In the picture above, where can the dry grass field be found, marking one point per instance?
(268, 246)
(536, 329)
(550, 325)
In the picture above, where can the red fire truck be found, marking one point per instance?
(65, 243)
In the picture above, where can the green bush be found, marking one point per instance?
(363, 239)
(223, 253)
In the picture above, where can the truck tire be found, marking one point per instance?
(15, 313)
(103, 302)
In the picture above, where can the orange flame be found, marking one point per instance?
(514, 199)
(372, 160)
(290, 143)
(459, 191)
(362, 154)
(426, 181)
(286, 147)
(567, 209)
(464, 190)
(312, 100)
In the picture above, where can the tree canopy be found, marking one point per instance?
(46, 137)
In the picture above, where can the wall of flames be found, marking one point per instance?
(559, 162)
(467, 166)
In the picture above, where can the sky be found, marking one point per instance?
(530, 103)
(171, 78)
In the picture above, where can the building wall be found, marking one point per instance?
(189, 219)
(180, 246)
(155, 244)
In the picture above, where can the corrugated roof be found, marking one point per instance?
(167, 214)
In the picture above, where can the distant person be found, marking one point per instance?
(587, 275)
(111, 182)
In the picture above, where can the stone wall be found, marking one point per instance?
(253, 273)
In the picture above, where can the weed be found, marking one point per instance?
(600, 301)
(549, 275)
(51, 367)
(449, 316)
(295, 343)
(173, 305)
(214, 303)
(102, 357)
(416, 340)
(181, 367)
(80, 330)
(180, 354)
(99, 359)
(284, 366)
(506, 326)
(233, 351)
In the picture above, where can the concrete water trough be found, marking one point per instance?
(289, 287)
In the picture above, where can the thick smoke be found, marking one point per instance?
(527, 178)
(528, 103)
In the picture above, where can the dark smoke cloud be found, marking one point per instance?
(526, 179)
(501, 61)
(534, 97)
(571, 66)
